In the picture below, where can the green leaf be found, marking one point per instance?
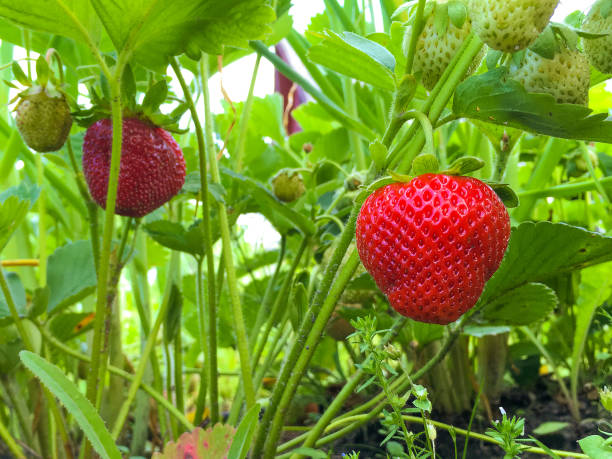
(172, 323)
(479, 331)
(244, 433)
(521, 306)
(270, 206)
(54, 17)
(174, 236)
(377, 52)
(538, 251)
(547, 428)
(378, 152)
(595, 447)
(18, 294)
(14, 205)
(156, 30)
(77, 405)
(71, 275)
(494, 98)
(343, 56)
(155, 96)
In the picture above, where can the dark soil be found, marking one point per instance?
(536, 405)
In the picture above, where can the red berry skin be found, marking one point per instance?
(152, 167)
(432, 244)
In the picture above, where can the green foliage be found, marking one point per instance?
(77, 405)
(71, 275)
(213, 443)
(494, 98)
(14, 206)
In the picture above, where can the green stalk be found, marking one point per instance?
(356, 146)
(232, 282)
(344, 276)
(401, 156)
(92, 207)
(298, 345)
(142, 364)
(204, 373)
(42, 225)
(10, 442)
(589, 163)
(156, 395)
(178, 371)
(281, 299)
(8, 297)
(95, 380)
(329, 105)
(244, 119)
(208, 245)
(263, 309)
(342, 396)
(21, 410)
(416, 31)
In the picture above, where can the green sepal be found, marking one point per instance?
(441, 19)
(367, 191)
(505, 193)
(42, 71)
(425, 163)
(378, 151)
(464, 165)
(402, 178)
(457, 13)
(155, 96)
(19, 75)
(128, 87)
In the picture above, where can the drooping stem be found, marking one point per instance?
(208, 248)
(42, 224)
(232, 281)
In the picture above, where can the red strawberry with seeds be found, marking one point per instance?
(152, 167)
(432, 244)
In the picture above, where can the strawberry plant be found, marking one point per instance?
(403, 250)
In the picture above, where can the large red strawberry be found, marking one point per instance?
(152, 166)
(432, 243)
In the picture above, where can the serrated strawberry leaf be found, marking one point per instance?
(539, 251)
(156, 30)
(357, 58)
(521, 306)
(495, 98)
(174, 236)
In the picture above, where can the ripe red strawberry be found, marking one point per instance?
(152, 166)
(432, 243)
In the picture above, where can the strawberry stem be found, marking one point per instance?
(210, 353)
(232, 282)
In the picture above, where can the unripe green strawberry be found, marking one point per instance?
(510, 25)
(566, 76)
(434, 50)
(599, 50)
(288, 185)
(431, 244)
(43, 120)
